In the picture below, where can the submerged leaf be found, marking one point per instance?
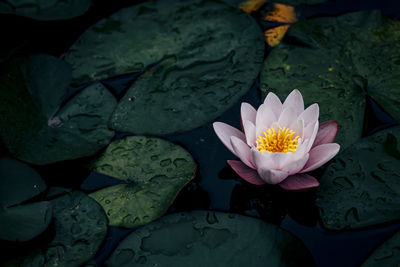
(361, 187)
(154, 172)
(205, 238)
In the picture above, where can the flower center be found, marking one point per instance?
(281, 141)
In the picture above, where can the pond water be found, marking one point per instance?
(215, 187)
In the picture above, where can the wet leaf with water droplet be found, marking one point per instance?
(361, 186)
(206, 238)
(32, 125)
(19, 183)
(334, 62)
(154, 170)
(198, 58)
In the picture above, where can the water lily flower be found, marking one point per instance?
(280, 142)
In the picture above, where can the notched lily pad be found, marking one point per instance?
(361, 186)
(19, 183)
(202, 238)
(387, 254)
(153, 171)
(32, 125)
(80, 227)
(334, 62)
(199, 58)
(45, 10)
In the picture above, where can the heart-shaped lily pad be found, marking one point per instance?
(31, 124)
(45, 10)
(361, 186)
(19, 183)
(202, 238)
(333, 62)
(154, 171)
(387, 254)
(199, 58)
(80, 227)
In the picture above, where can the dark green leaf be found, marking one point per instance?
(361, 186)
(204, 238)
(154, 171)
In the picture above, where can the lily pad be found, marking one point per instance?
(45, 10)
(199, 58)
(80, 227)
(202, 238)
(32, 125)
(361, 186)
(20, 183)
(334, 62)
(153, 171)
(387, 254)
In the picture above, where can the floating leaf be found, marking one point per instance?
(202, 238)
(45, 10)
(154, 171)
(387, 254)
(361, 186)
(199, 58)
(19, 183)
(31, 126)
(334, 61)
(80, 227)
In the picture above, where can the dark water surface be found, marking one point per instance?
(216, 186)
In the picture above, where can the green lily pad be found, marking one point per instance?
(20, 183)
(202, 238)
(31, 124)
(45, 10)
(199, 58)
(80, 227)
(154, 171)
(361, 186)
(387, 254)
(334, 62)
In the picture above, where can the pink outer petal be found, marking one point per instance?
(295, 101)
(274, 103)
(242, 151)
(224, 133)
(264, 118)
(272, 176)
(245, 172)
(319, 155)
(250, 132)
(299, 182)
(248, 113)
(326, 133)
(310, 115)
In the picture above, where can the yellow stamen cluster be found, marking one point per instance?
(283, 141)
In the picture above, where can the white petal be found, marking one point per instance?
(288, 116)
(242, 151)
(272, 176)
(295, 101)
(224, 133)
(312, 138)
(310, 115)
(248, 112)
(250, 132)
(264, 118)
(273, 102)
(298, 127)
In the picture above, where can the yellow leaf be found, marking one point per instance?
(281, 13)
(251, 5)
(274, 36)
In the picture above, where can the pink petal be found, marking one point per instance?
(248, 112)
(301, 150)
(319, 155)
(296, 165)
(298, 127)
(310, 115)
(250, 132)
(224, 133)
(299, 182)
(245, 172)
(242, 151)
(295, 101)
(272, 176)
(287, 118)
(269, 160)
(274, 103)
(313, 135)
(264, 118)
(326, 133)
